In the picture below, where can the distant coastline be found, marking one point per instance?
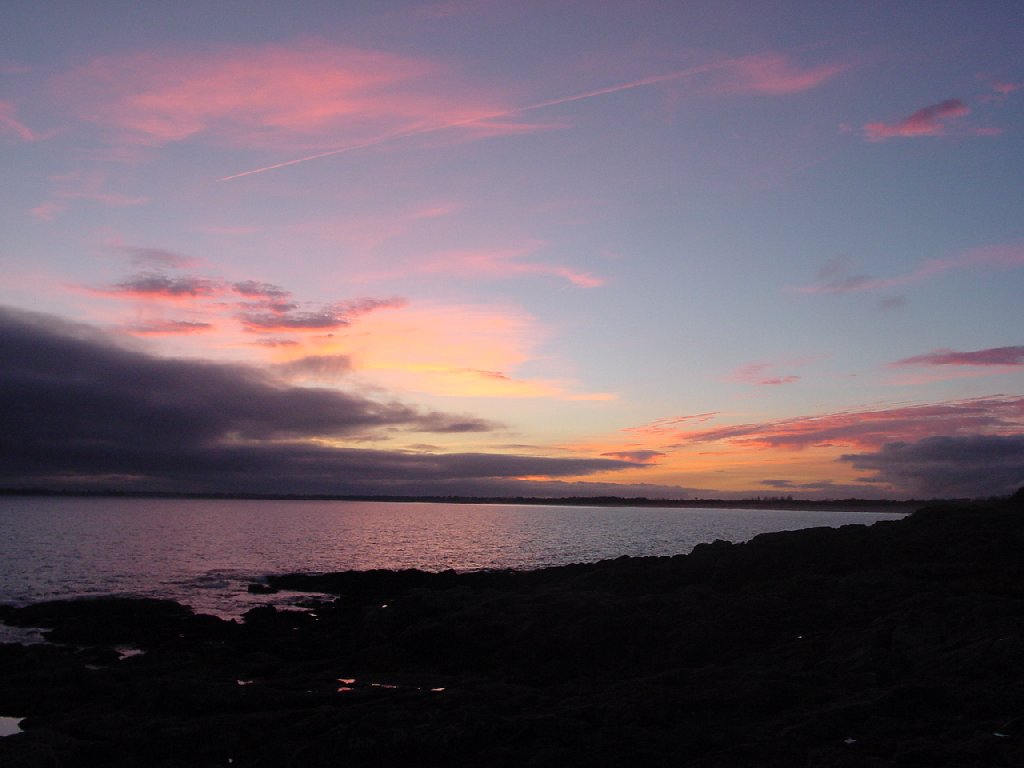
(754, 502)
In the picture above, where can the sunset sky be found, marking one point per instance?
(539, 248)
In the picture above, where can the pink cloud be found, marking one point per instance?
(929, 121)
(776, 74)
(933, 374)
(997, 356)
(670, 424)
(871, 428)
(1005, 88)
(285, 95)
(492, 263)
(506, 263)
(768, 73)
(88, 186)
(10, 124)
(1005, 256)
(764, 374)
(758, 373)
(48, 211)
(999, 89)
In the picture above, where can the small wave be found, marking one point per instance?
(21, 635)
(212, 584)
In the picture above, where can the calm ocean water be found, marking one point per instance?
(204, 553)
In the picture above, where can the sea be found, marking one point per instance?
(205, 553)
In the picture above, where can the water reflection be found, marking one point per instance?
(349, 684)
(205, 553)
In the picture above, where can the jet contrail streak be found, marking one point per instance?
(480, 118)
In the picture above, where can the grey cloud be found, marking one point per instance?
(640, 457)
(154, 257)
(283, 317)
(316, 367)
(323, 320)
(80, 411)
(256, 289)
(156, 284)
(968, 466)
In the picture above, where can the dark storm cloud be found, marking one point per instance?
(969, 466)
(79, 411)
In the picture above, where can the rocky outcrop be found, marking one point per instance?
(899, 644)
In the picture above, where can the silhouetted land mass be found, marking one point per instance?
(898, 644)
(755, 502)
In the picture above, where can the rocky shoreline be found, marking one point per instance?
(898, 644)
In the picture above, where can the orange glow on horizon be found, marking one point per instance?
(459, 351)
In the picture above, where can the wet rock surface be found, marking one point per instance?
(899, 644)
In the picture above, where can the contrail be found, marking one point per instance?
(480, 118)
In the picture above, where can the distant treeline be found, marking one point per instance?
(765, 502)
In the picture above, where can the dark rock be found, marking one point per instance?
(143, 622)
(901, 644)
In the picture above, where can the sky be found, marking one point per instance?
(687, 250)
